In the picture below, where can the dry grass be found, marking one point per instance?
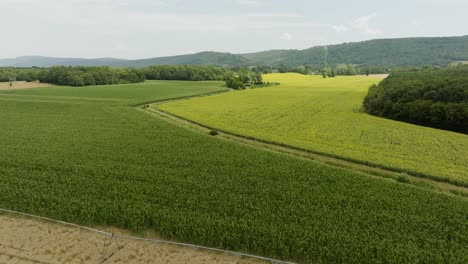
(25, 240)
(379, 76)
(22, 85)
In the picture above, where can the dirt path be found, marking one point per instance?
(22, 85)
(25, 240)
(421, 182)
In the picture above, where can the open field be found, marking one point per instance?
(25, 240)
(323, 116)
(88, 157)
(429, 184)
(21, 85)
(129, 93)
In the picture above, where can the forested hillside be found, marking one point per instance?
(377, 53)
(381, 52)
(202, 58)
(435, 97)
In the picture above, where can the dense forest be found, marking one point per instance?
(431, 96)
(386, 53)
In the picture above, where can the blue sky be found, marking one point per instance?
(152, 28)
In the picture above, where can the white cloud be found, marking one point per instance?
(363, 24)
(286, 36)
(340, 28)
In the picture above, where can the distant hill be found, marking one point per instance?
(40, 61)
(379, 52)
(202, 58)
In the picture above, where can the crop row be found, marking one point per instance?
(100, 164)
(322, 115)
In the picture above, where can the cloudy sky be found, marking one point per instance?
(150, 28)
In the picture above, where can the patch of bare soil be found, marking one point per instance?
(380, 76)
(26, 240)
(22, 85)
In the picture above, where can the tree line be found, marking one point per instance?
(236, 78)
(73, 76)
(326, 70)
(19, 74)
(431, 96)
(84, 76)
(185, 73)
(351, 70)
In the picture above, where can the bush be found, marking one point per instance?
(214, 133)
(403, 178)
(242, 79)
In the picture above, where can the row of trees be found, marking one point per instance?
(236, 78)
(350, 70)
(185, 73)
(327, 71)
(84, 76)
(25, 74)
(436, 97)
(73, 76)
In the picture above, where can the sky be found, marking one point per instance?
(134, 29)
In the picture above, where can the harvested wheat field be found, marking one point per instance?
(21, 85)
(379, 76)
(26, 240)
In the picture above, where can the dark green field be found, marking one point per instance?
(84, 155)
(149, 91)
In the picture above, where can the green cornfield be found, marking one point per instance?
(323, 115)
(85, 155)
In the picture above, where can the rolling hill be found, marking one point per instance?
(41, 61)
(379, 52)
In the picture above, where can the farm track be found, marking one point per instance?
(383, 173)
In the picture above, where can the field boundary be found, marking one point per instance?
(431, 182)
(114, 236)
(142, 104)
